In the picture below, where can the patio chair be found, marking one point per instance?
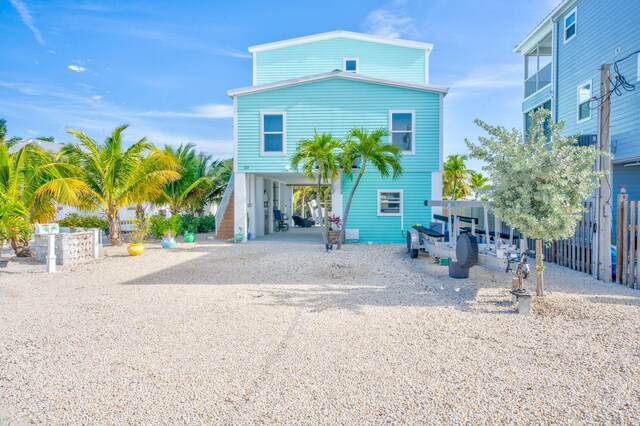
(281, 223)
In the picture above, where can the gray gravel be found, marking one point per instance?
(286, 333)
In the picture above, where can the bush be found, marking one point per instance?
(158, 226)
(188, 223)
(74, 220)
(206, 223)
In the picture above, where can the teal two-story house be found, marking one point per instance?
(332, 82)
(562, 60)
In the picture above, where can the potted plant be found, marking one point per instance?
(189, 234)
(137, 237)
(333, 235)
(172, 226)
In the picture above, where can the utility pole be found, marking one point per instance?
(606, 182)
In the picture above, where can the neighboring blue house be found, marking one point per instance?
(333, 82)
(562, 59)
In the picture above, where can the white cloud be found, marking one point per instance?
(77, 68)
(27, 19)
(485, 78)
(96, 98)
(200, 111)
(390, 21)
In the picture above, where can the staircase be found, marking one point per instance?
(225, 232)
(224, 215)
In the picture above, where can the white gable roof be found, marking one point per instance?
(342, 34)
(337, 74)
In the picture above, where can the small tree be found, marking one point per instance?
(538, 185)
(366, 147)
(478, 183)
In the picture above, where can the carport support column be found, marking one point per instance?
(336, 196)
(240, 205)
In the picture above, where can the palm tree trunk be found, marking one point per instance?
(114, 229)
(319, 211)
(21, 247)
(346, 210)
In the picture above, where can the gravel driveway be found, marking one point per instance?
(286, 333)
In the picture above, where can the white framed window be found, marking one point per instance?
(272, 132)
(570, 25)
(584, 101)
(350, 65)
(390, 202)
(402, 124)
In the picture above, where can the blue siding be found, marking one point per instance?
(375, 59)
(536, 99)
(602, 27)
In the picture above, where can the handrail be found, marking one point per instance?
(222, 207)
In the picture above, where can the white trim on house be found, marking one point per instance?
(575, 25)
(235, 134)
(401, 202)
(255, 69)
(441, 142)
(344, 64)
(580, 86)
(413, 128)
(336, 74)
(284, 132)
(341, 34)
(543, 28)
(426, 66)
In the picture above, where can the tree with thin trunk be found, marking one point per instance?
(538, 185)
(366, 147)
(112, 177)
(455, 177)
(320, 159)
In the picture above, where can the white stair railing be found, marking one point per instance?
(222, 207)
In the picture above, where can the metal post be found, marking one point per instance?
(51, 253)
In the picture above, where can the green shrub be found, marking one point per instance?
(188, 223)
(206, 223)
(74, 220)
(158, 226)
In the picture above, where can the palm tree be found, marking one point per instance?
(455, 177)
(320, 158)
(180, 193)
(220, 172)
(366, 147)
(477, 183)
(112, 177)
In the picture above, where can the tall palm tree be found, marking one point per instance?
(113, 177)
(477, 183)
(364, 147)
(319, 158)
(193, 181)
(455, 177)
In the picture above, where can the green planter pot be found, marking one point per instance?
(189, 237)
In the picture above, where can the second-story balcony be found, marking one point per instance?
(537, 67)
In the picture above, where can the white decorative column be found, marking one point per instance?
(240, 204)
(436, 192)
(51, 253)
(96, 243)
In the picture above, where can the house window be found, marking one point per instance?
(273, 134)
(350, 65)
(389, 202)
(402, 125)
(528, 119)
(570, 22)
(584, 101)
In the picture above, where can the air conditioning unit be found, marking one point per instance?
(587, 140)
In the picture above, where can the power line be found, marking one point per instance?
(618, 84)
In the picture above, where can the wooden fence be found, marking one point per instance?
(627, 253)
(575, 252)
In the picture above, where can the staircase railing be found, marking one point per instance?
(222, 207)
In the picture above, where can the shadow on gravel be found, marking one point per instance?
(615, 300)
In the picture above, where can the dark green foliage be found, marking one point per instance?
(158, 227)
(188, 223)
(206, 223)
(74, 220)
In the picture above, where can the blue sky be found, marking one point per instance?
(164, 66)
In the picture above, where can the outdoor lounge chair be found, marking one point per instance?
(281, 222)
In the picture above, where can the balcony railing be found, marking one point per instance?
(537, 81)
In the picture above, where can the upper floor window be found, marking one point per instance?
(402, 125)
(350, 65)
(570, 22)
(584, 101)
(272, 133)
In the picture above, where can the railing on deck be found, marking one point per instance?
(222, 207)
(537, 81)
